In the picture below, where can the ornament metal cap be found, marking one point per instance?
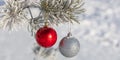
(46, 23)
(69, 34)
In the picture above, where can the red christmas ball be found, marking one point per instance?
(46, 37)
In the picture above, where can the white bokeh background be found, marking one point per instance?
(98, 34)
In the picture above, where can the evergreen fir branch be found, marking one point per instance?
(14, 15)
(53, 8)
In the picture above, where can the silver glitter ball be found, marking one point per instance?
(69, 47)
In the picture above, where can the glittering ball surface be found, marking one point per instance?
(46, 37)
(69, 47)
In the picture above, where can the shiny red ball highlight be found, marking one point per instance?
(46, 37)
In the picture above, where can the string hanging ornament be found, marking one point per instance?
(69, 46)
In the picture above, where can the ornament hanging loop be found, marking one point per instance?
(46, 19)
(69, 27)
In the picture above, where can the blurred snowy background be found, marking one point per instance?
(98, 34)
